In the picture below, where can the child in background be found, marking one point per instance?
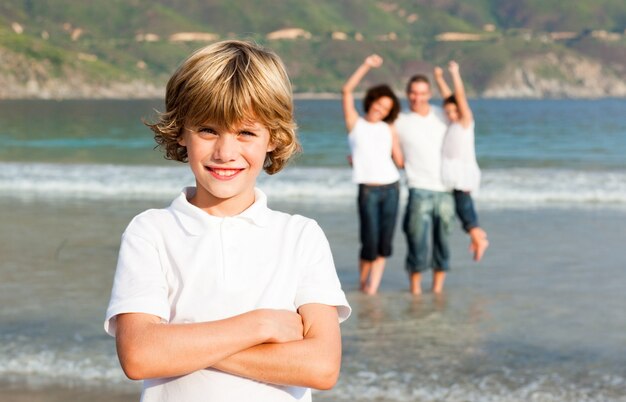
(218, 297)
(375, 156)
(459, 168)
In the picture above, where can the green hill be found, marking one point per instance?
(116, 48)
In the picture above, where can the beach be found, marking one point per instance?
(507, 328)
(539, 319)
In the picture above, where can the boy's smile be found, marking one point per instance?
(226, 163)
(223, 174)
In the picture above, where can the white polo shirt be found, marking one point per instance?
(185, 266)
(421, 139)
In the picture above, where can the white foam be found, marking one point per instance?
(96, 364)
(552, 186)
(499, 386)
(500, 188)
(60, 365)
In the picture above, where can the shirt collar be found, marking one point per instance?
(196, 221)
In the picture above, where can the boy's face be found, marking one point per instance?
(226, 163)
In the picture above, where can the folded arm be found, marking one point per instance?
(148, 348)
(311, 362)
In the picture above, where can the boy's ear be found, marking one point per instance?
(181, 141)
(270, 147)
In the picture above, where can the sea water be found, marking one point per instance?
(531, 152)
(541, 318)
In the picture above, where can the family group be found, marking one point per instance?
(435, 147)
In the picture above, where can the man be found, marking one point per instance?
(430, 209)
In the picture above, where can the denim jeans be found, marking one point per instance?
(465, 210)
(378, 211)
(427, 225)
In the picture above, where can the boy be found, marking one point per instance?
(217, 297)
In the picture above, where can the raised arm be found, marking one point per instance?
(312, 362)
(349, 110)
(442, 85)
(459, 92)
(148, 348)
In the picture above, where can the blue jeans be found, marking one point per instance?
(427, 225)
(378, 211)
(465, 210)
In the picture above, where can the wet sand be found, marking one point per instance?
(531, 308)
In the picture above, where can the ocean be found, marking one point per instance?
(531, 152)
(541, 318)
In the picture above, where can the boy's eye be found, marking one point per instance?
(206, 130)
(247, 133)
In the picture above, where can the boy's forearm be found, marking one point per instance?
(150, 349)
(305, 363)
(312, 362)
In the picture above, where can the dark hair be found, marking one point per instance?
(380, 91)
(417, 78)
(450, 99)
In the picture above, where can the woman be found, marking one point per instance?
(375, 158)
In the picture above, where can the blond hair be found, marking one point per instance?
(228, 83)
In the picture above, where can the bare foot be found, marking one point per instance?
(368, 290)
(439, 277)
(415, 283)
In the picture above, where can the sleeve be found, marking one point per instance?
(140, 285)
(318, 281)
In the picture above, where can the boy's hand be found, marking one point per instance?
(282, 325)
(373, 61)
(438, 71)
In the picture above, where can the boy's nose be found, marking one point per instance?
(226, 148)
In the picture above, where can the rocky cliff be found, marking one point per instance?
(25, 78)
(551, 76)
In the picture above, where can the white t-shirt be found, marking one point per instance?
(186, 266)
(370, 146)
(459, 168)
(421, 139)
